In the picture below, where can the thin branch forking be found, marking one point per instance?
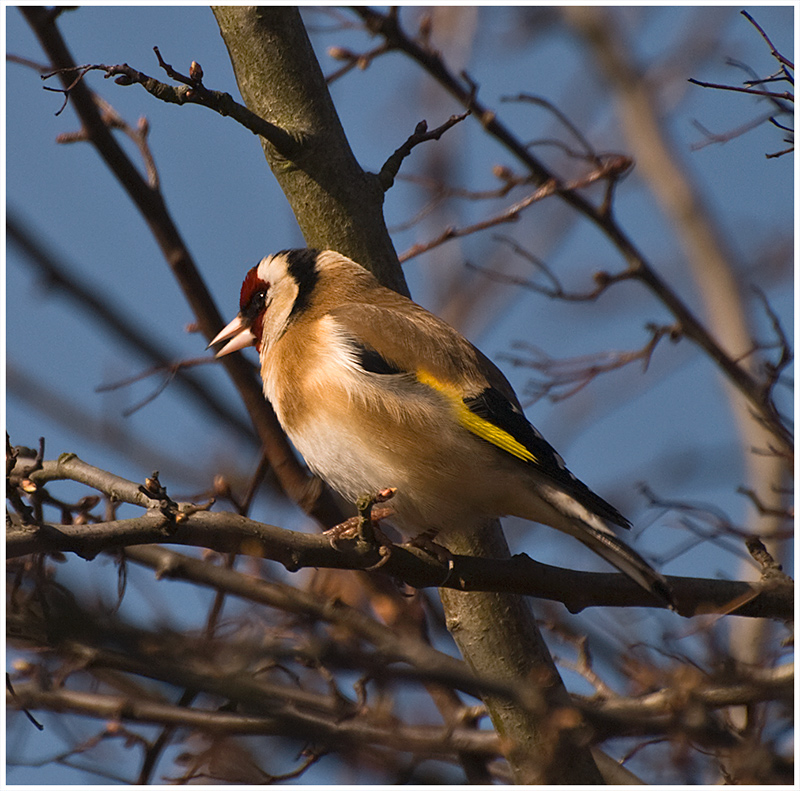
(421, 134)
(465, 91)
(191, 91)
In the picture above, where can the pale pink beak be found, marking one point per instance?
(238, 335)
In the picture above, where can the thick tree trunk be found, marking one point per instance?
(339, 206)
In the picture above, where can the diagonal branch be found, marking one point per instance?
(306, 491)
(391, 167)
(785, 95)
(388, 26)
(111, 318)
(191, 92)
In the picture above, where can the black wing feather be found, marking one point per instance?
(372, 361)
(492, 405)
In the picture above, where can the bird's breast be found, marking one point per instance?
(362, 432)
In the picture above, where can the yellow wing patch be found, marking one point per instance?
(475, 423)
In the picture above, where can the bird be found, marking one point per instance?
(376, 392)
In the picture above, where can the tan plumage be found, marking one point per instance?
(376, 392)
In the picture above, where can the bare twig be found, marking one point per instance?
(555, 290)
(505, 175)
(111, 316)
(766, 510)
(306, 491)
(608, 169)
(353, 60)
(584, 664)
(137, 135)
(387, 25)
(785, 95)
(588, 150)
(169, 370)
(567, 377)
(775, 54)
(426, 740)
(421, 134)
(776, 369)
(442, 192)
(190, 92)
(778, 98)
(724, 137)
(13, 699)
(687, 702)
(511, 214)
(154, 751)
(782, 152)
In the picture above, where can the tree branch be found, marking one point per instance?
(421, 134)
(193, 92)
(464, 90)
(296, 482)
(337, 205)
(429, 741)
(228, 532)
(185, 523)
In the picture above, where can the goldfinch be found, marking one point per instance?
(376, 392)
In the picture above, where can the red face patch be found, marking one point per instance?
(252, 300)
(252, 283)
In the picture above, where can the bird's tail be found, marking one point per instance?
(619, 554)
(585, 516)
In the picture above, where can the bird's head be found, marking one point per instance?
(274, 292)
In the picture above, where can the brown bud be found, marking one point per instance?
(222, 487)
(152, 484)
(28, 486)
(23, 667)
(601, 278)
(617, 164)
(340, 53)
(385, 494)
(196, 71)
(425, 26)
(565, 719)
(502, 172)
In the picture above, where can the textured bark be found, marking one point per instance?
(337, 204)
(498, 636)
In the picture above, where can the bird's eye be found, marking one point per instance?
(255, 304)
